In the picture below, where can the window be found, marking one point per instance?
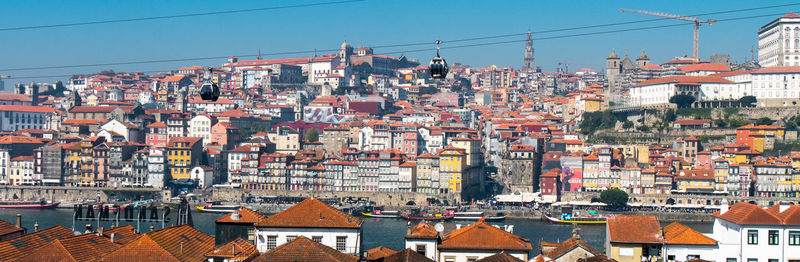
(341, 243)
(421, 249)
(773, 237)
(450, 259)
(730, 259)
(472, 259)
(772, 260)
(290, 238)
(794, 238)
(272, 242)
(752, 237)
(752, 260)
(317, 239)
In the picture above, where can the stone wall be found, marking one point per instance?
(380, 198)
(69, 195)
(661, 199)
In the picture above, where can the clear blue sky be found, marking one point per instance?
(372, 22)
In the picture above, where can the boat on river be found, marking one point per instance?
(477, 215)
(217, 207)
(27, 204)
(568, 219)
(382, 214)
(418, 215)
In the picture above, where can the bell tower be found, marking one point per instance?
(613, 68)
(528, 56)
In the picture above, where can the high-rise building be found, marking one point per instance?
(779, 42)
(528, 58)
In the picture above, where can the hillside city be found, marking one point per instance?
(708, 139)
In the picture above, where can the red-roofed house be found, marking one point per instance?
(745, 231)
(17, 117)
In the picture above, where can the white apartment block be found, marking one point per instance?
(779, 42)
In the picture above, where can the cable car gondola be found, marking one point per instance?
(438, 66)
(209, 91)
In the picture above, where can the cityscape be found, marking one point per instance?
(352, 153)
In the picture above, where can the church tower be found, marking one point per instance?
(344, 54)
(528, 56)
(613, 68)
(643, 60)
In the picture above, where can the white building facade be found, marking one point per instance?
(779, 42)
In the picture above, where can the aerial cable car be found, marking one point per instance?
(209, 91)
(438, 66)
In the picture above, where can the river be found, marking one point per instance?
(377, 232)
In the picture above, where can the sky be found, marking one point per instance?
(368, 23)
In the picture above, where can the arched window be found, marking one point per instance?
(797, 32)
(797, 43)
(787, 44)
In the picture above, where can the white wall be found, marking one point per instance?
(353, 243)
(682, 251)
(463, 255)
(430, 246)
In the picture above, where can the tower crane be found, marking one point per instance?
(697, 22)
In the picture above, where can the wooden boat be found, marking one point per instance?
(565, 219)
(477, 216)
(27, 204)
(425, 217)
(382, 214)
(217, 207)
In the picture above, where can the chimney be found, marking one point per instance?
(152, 227)
(19, 221)
(723, 208)
(112, 237)
(88, 228)
(36, 227)
(100, 231)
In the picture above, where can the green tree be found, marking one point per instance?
(736, 122)
(682, 101)
(312, 135)
(720, 123)
(764, 121)
(669, 115)
(748, 101)
(614, 197)
(627, 125)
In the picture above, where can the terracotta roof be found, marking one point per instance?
(8, 228)
(304, 249)
(569, 245)
(379, 252)
(32, 109)
(184, 242)
(791, 15)
(143, 249)
(484, 236)
(696, 174)
(717, 67)
(311, 213)
(157, 124)
(122, 234)
(246, 216)
(679, 79)
(13, 249)
(679, 234)
(501, 257)
(14, 97)
(86, 247)
(423, 230)
(238, 249)
(634, 229)
(746, 213)
(776, 69)
(19, 140)
(406, 255)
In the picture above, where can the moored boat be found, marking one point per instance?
(567, 219)
(475, 215)
(434, 217)
(27, 204)
(217, 207)
(382, 214)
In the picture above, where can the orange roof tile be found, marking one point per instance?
(304, 249)
(238, 250)
(86, 247)
(634, 229)
(184, 242)
(5, 140)
(503, 257)
(406, 255)
(13, 249)
(32, 109)
(8, 228)
(122, 234)
(678, 79)
(679, 234)
(379, 252)
(142, 248)
(423, 230)
(484, 236)
(246, 216)
(569, 245)
(311, 213)
(746, 213)
(717, 67)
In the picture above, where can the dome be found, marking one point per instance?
(613, 55)
(643, 56)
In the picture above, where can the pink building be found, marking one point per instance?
(703, 160)
(157, 135)
(225, 134)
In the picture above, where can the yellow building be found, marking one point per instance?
(721, 174)
(696, 180)
(183, 153)
(451, 167)
(592, 104)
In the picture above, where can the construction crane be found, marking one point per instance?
(697, 22)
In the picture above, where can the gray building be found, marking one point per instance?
(48, 164)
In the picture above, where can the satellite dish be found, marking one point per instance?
(439, 227)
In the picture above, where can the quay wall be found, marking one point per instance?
(661, 199)
(380, 198)
(70, 195)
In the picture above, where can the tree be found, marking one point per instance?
(312, 135)
(682, 101)
(720, 123)
(627, 125)
(748, 101)
(763, 121)
(614, 198)
(669, 115)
